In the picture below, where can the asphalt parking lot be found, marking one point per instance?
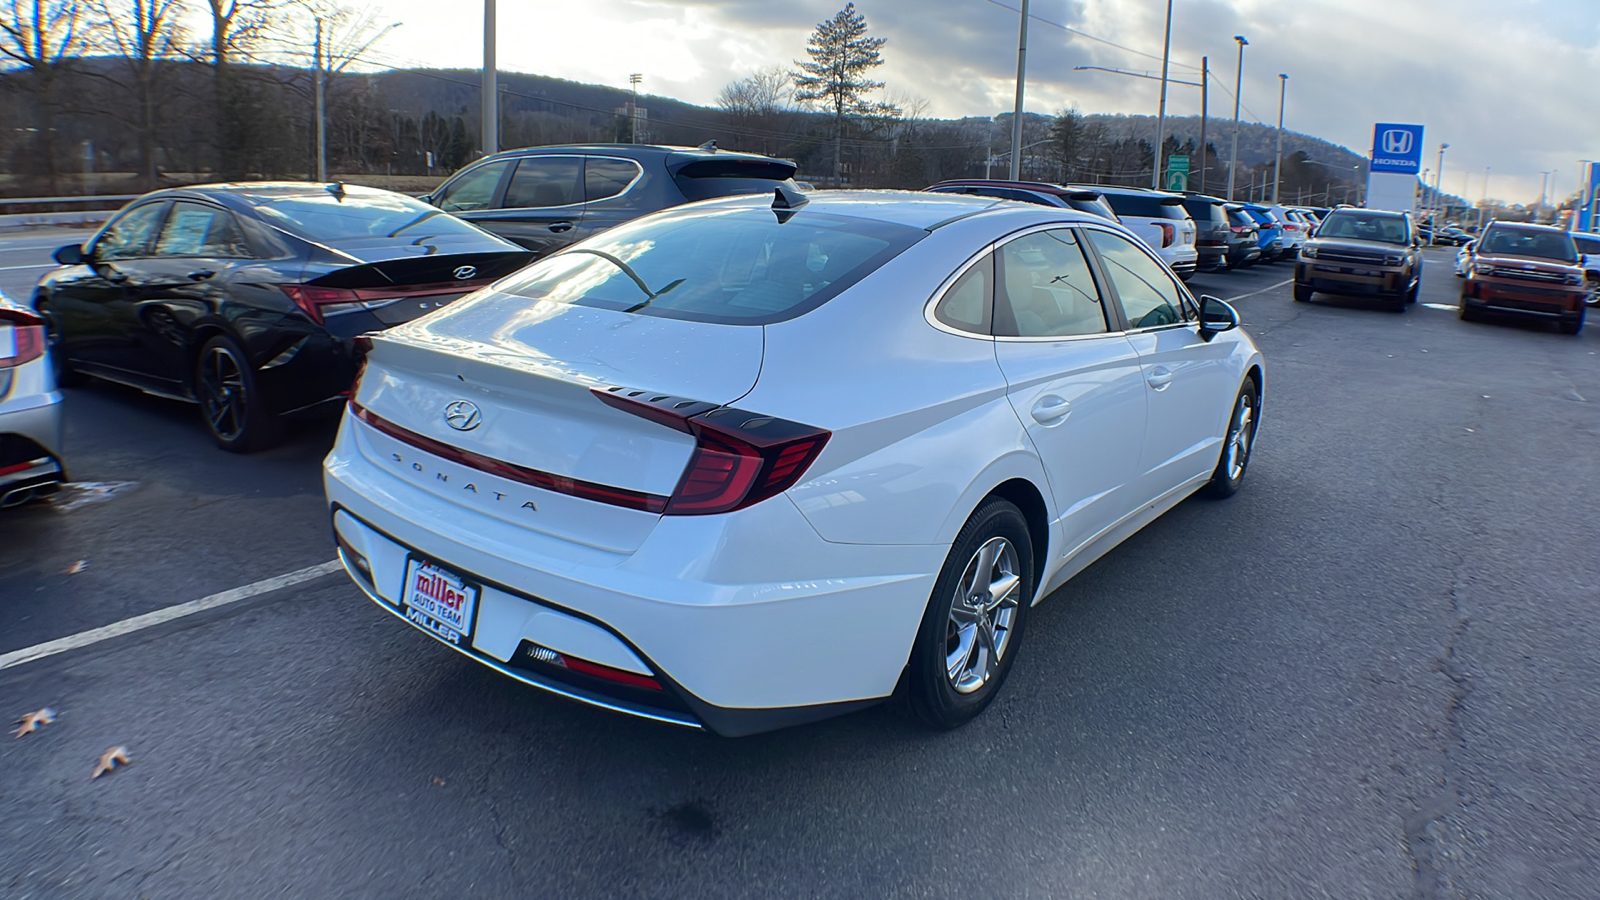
(1370, 674)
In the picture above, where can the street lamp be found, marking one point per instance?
(1277, 171)
(1238, 80)
(1161, 111)
(1016, 114)
(1438, 178)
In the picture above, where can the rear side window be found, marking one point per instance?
(603, 178)
(966, 306)
(1147, 206)
(736, 267)
(707, 178)
(1045, 288)
(543, 181)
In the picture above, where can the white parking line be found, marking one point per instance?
(167, 614)
(1269, 287)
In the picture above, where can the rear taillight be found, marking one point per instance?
(740, 458)
(1169, 233)
(319, 302)
(21, 337)
(1290, 226)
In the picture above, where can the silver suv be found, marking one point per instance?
(30, 409)
(1160, 220)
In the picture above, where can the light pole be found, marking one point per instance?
(1238, 80)
(1161, 110)
(491, 89)
(1483, 211)
(1016, 114)
(1438, 179)
(1277, 171)
(633, 111)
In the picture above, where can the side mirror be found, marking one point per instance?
(1216, 316)
(70, 255)
(1469, 245)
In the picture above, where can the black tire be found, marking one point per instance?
(1574, 326)
(1411, 295)
(1234, 460)
(230, 400)
(1302, 294)
(935, 695)
(1466, 313)
(66, 376)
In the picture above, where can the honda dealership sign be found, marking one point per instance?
(1397, 148)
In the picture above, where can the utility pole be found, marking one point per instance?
(1238, 81)
(1161, 111)
(1544, 183)
(1438, 179)
(491, 87)
(1016, 114)
(1483, 211)
(1205, 87)
(1277, 171)
(322, 118)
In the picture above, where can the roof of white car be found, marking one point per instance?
(917, 209)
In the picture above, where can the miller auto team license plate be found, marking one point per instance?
(438, 600)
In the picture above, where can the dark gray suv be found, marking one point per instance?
(545, 198)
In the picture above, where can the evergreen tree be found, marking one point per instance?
(841, 54)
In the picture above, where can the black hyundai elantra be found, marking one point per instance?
(247, 298)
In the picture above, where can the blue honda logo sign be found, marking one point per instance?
(1397, 148)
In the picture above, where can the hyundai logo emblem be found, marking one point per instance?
(1395, 140)
(462, 273)
(463, 415)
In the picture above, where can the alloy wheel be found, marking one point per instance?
(982, 614)
(222, 392)
(1239, 437)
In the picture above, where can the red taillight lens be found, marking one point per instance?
(740, 458)
(1169, 233)
(311, 298)
(21, 337)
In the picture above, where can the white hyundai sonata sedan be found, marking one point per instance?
(762, 460)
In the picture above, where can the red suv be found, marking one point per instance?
(1530, 270)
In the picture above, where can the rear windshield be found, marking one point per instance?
(1513, 241)
(1240, 217)
(1205, 210)
(1148, 206)
(708, 178)
(1092, 203)
(326, 218)
(1364, 226)
(735, 267)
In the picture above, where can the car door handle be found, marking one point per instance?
(559, 227)
(1159, 378)
(201, 275)
(1051, 409)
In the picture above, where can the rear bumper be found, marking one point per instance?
(30, 447)
(742, 637)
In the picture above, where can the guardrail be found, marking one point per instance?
(102, 206)
(81, 198)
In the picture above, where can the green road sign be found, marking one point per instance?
(1177, 173)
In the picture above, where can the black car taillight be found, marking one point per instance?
(740, 458)
(316, 301)
(26, 333)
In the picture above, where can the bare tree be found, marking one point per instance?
(146, 35)
(758, 104)
(239, 30)
(44, 37)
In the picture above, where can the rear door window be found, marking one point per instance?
(473, 190)
(737, 267)
(545, 181)
(195, 229)
(1045, 288)
(604, 178)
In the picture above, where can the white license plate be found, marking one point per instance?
(438, 600)
(8, 342)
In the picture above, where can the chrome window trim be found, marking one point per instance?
(638, 176)
(991, 247)
(1183, 289)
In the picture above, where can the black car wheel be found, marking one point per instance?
(973, 626)
(230, 400)
(1302, 293)
(1237, 443)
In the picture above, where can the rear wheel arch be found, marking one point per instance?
(1025, 496)
(198, 338)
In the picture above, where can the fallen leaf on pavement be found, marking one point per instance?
(77, 567)
(31, 722)
(109, 760)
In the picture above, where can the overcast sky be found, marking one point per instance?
(1509, 84)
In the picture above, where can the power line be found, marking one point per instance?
(1084, 34)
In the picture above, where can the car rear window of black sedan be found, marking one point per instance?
(331, 218)
(735, 267)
